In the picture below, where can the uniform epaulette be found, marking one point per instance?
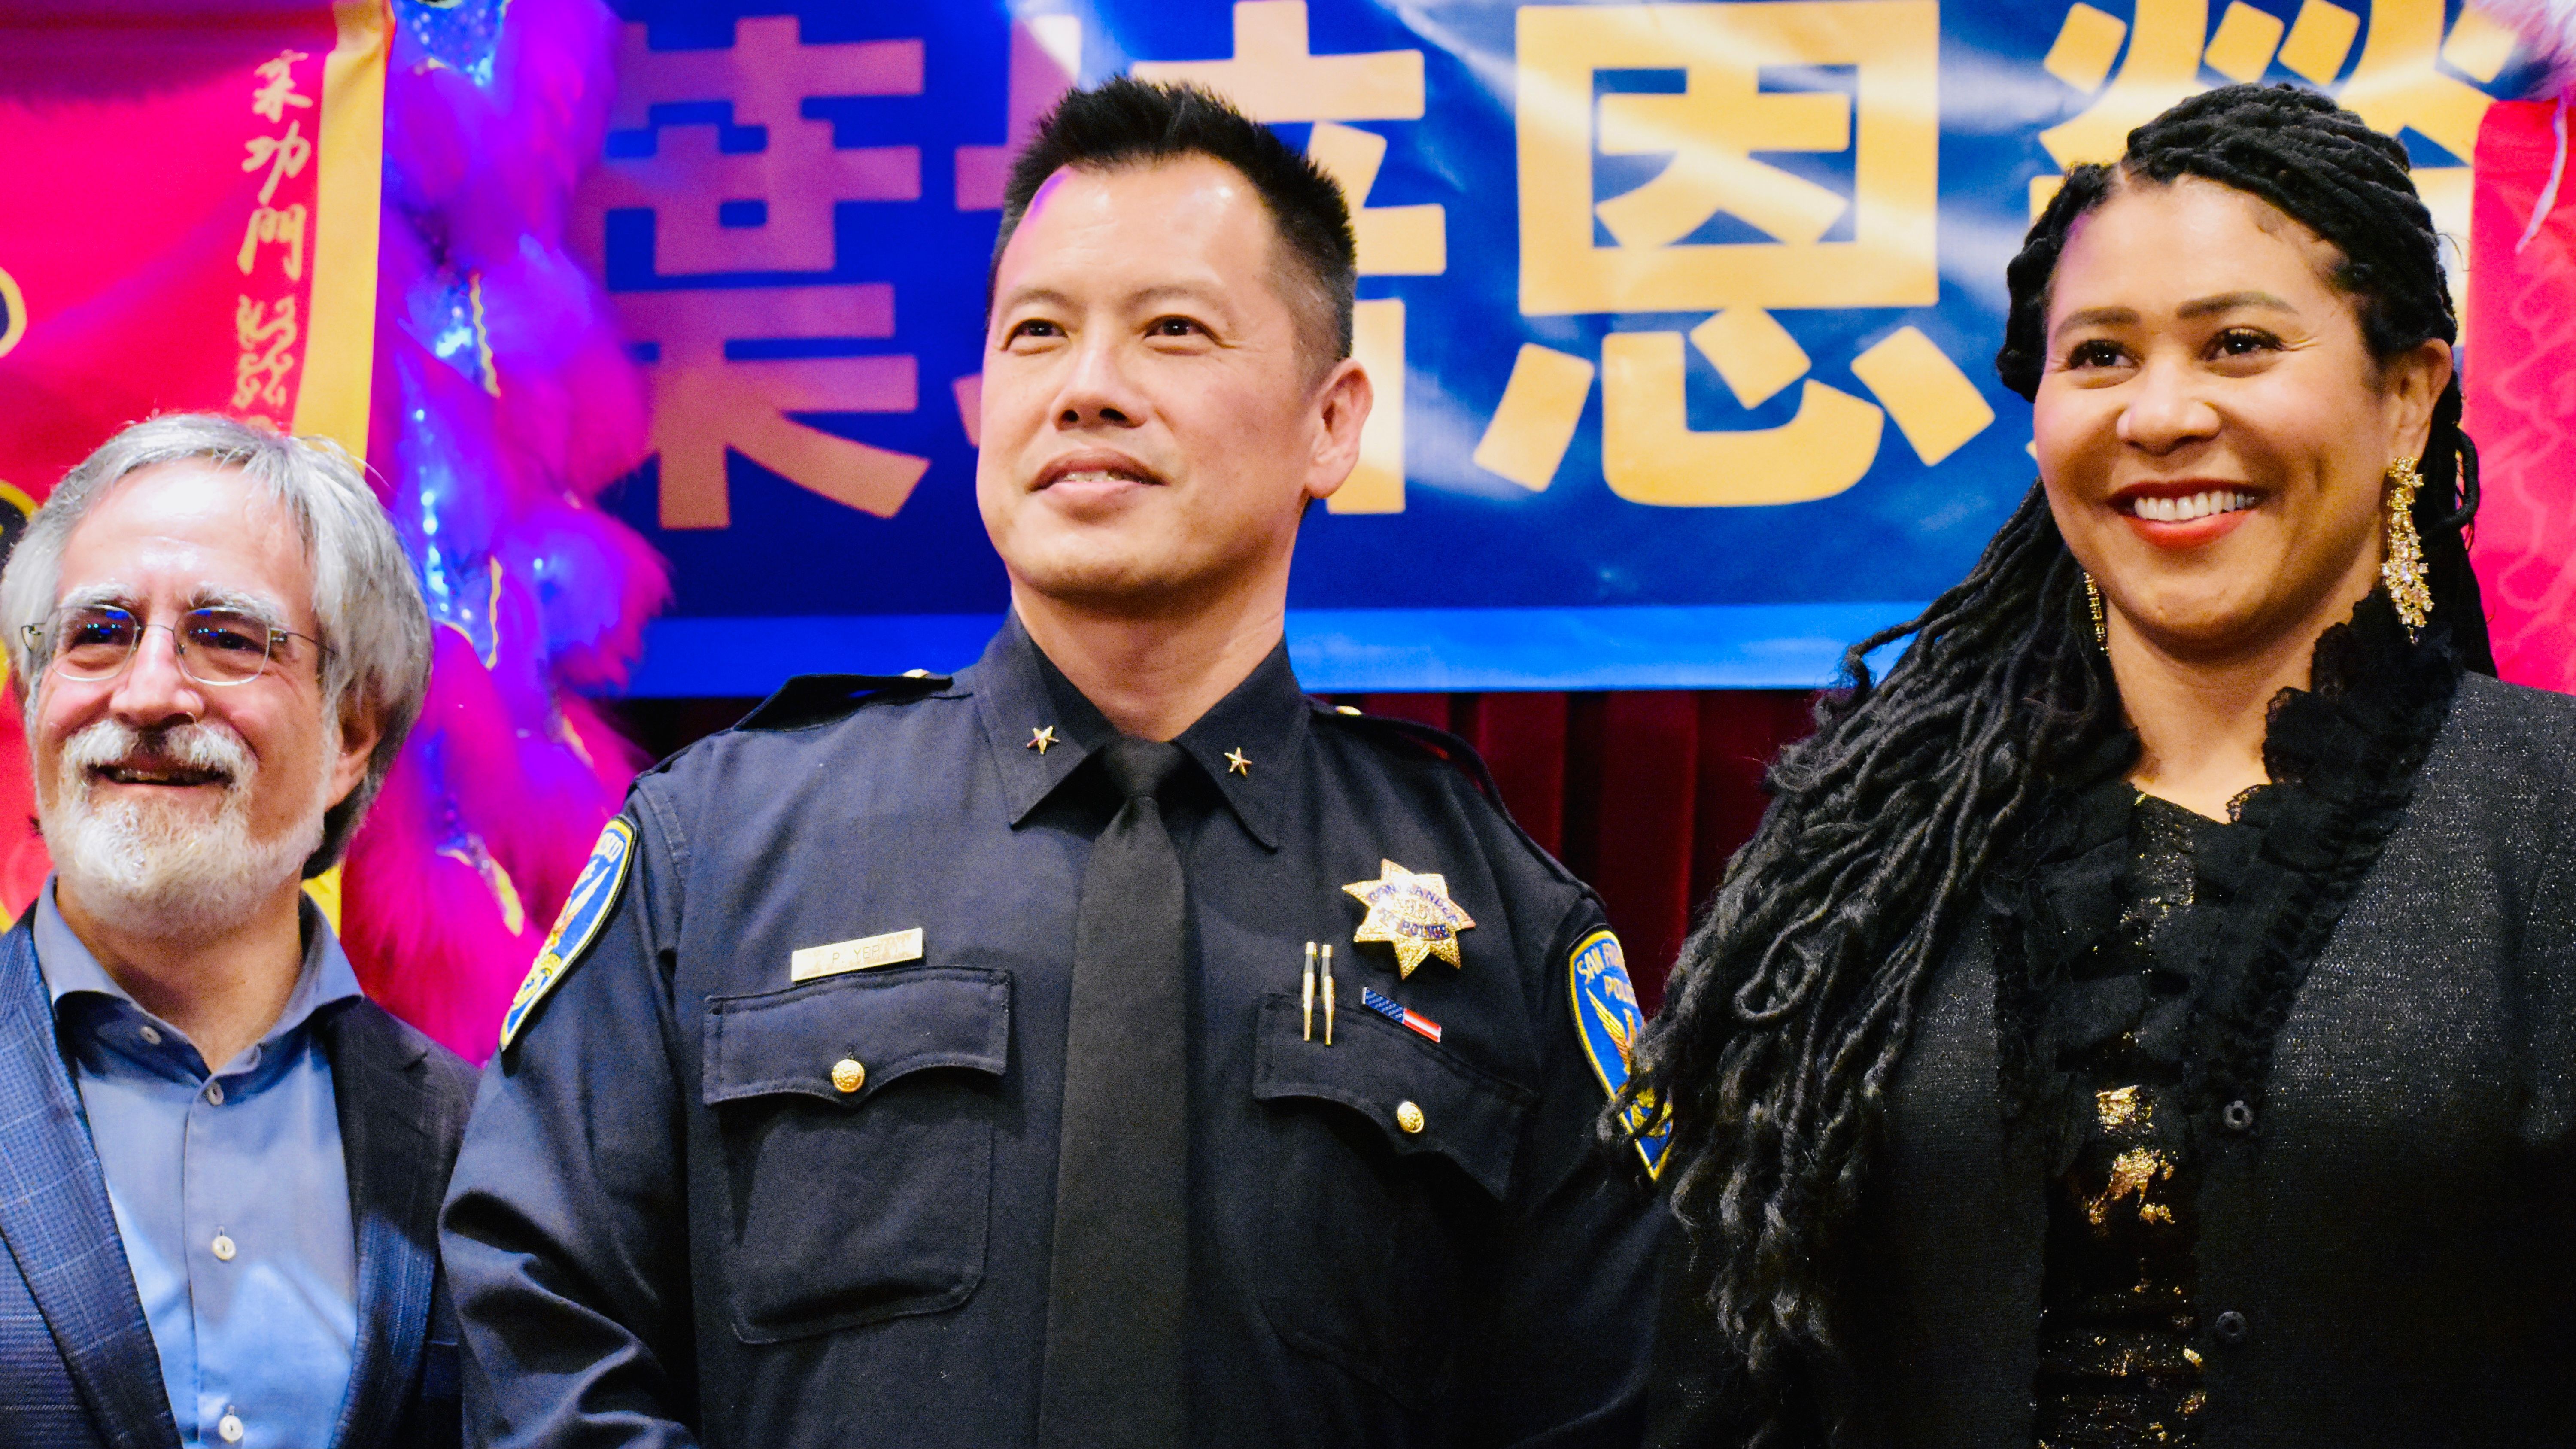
(811, 699)
(1438, 743)
(1451, 749)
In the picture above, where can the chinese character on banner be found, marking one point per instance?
(284, 156)
(1275, 76)
(2403, 76)
(1869, 243)
(265, 326)
(276, 94)
(739, 177)
(1045, 61)
(282, 227)
(267, 336)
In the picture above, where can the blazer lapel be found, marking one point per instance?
(381, 1083)
(55, 1217)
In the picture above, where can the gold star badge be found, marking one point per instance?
(1039, 740)
(1236, 763)
(1412, 913)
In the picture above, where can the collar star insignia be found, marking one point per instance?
(1237, 763)
(1412, 913)
(1041, 739)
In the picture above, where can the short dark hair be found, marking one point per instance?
(1128, 122)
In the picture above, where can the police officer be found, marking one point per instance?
(1110, 1046)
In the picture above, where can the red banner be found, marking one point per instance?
(2519, 365)
(190, 225)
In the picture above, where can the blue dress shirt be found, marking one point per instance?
(230, 1192)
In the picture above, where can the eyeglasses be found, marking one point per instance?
(215, 646)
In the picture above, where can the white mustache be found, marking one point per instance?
(157, 868)
(196, 745)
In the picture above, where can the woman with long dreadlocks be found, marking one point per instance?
(2148, 1015)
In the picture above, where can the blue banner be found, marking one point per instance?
(1681, 315)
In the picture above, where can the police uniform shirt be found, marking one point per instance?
(702, 1201)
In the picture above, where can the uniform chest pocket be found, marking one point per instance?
(856, 1117)
(1390, 1157)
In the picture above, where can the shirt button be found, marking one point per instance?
(2237, 1117)
(230, 1426)
(2230, 1327)
(223, 1248)
(151, 1036)
(1408, 1116)
(848, 1075)
(215, 1093)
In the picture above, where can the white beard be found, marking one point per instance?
(154, 871)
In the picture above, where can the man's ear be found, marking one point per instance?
(359, 732)
(1342, 403)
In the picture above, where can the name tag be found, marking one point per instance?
(858, 955)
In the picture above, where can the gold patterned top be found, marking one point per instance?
(2116, 1366)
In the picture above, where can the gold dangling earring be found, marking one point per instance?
(2402, 571)
(2101, 625)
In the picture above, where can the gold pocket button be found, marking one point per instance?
(848, 1075)
(1408, 1116)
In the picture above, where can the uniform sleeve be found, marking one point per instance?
(564, 1227)
(1571, 1285)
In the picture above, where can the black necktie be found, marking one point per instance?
(1120, 1261)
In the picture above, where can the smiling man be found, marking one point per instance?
(219, 1164)
(1110, 1046)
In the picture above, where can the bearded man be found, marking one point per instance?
(220, 1165)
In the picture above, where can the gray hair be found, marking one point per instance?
(374, 629)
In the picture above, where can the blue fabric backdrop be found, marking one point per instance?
(1682, 314)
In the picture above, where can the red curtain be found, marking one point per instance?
(1643, 793)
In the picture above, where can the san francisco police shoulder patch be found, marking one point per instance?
(594, 891)
(1607, 1018)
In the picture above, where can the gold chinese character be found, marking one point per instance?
(270, 225)
(1276, 76)
(1712, 131)
(2394, 84)
(284, 156)
(1709, 133)
(267, 339)
(798, 176)
(705, 403)
(277, 91)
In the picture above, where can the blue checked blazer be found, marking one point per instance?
(78, 1369)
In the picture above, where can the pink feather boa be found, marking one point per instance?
(506, 402)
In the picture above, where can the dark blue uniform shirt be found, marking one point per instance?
(681, 1216)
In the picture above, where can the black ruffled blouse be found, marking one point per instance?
(2158, 954)
(2117, 1317)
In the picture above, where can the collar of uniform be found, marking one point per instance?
(1019, 691)
(1012, 697)
(1263, 722)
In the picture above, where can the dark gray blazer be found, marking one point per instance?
(78, 1369)
(2399, 1229)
